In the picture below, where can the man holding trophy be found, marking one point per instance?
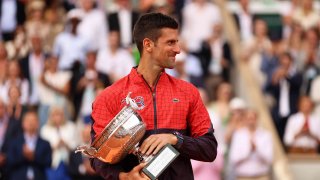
(171, 111)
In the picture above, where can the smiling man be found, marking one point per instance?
(173, 111)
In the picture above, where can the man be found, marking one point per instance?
(255, 145)
(173, 111)
(29, 155)
(123, 21)
(9, 129)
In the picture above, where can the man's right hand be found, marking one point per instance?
(135, 174)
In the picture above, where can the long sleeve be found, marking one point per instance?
(264, 146)
(202, 145)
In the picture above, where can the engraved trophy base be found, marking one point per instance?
(158, 163)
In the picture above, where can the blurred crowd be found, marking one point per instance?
(56, 56)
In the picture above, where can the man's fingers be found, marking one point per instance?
(147, 143)
(153, 147)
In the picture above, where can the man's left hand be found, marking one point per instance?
(155, 142)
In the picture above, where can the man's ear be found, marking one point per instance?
(147, 44)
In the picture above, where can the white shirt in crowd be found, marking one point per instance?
(294, 126)
(67, 133)
(248, 163)
(36, 67)
(93, 27)
(116, 65)
(69, 48)
(198, 23)
(125, 27)
(8, 20)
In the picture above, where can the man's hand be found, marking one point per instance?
(2, 159)
(155, 142)
(134, 174)
(28, 153)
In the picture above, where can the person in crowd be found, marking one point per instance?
(36, 23)
(69, 45)
(301, 133)
(306, 15)
(123, 21)
(15, 78)
(12, 15)
(61, 134)
(93, 26)
(244, 20)
(309, 63)
(83, 86)
(79, 166)
(9, 130)
(32, 67)
(186, 126)
(3, 63)
(15, 108)
(254, 48)
(284, 87)
(256, 147)
(199, 16)
(29, 155)
(203, 170)
(115, 62)
(54, 89)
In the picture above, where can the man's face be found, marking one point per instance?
(30, 123)
(166, 48)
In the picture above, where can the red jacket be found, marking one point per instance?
(172, 105)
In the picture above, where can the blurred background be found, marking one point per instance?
(256, 64)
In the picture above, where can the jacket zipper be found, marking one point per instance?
(153, 92)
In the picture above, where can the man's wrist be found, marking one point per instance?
(179, 141)
(122, 176)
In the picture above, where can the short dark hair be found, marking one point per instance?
(149, 26)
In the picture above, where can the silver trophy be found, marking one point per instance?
(121, 137)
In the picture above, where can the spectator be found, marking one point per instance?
(36, 24)
(123, 22)
(255, 47)
(199, 16)
(54, 89)
(61, 134)
(12, 15)
(9, 130)
(244, 20)
(302, 134)
(15, 109)
(69, 45)
(93, 26)
(79, 164)
(306, 15)
(116, 62)
(29, 155)
(256, 147)
(15, 79)
(284, 87)
(3, 63)
(203, 170)
(309, 63)
(32, 67)
(83, 87)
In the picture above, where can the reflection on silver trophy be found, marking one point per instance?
(120, 137)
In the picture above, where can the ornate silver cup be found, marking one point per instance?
(120, 137)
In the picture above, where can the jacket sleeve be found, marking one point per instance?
(200, 144)
(103, 111)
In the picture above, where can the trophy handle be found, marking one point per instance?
(142, 158)
(88, 151)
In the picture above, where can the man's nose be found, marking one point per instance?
(177, 49)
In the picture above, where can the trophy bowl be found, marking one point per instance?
(120, 137)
